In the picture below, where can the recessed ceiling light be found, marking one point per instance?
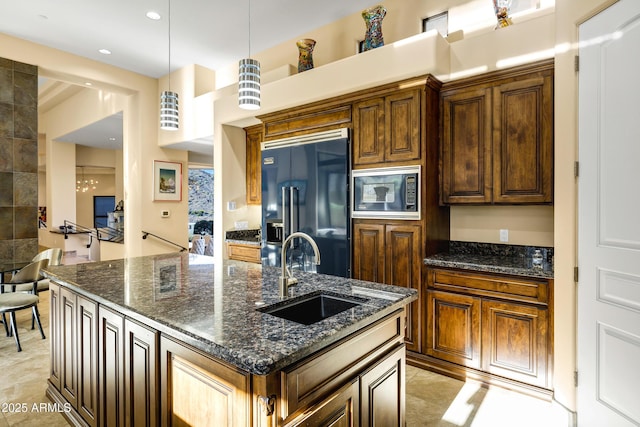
(153, 15)
(88, 84)
(111, 138)
(105, 51)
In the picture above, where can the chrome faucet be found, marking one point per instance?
(286, 279)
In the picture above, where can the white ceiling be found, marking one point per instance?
(211, 33)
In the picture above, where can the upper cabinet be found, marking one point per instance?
(387, 129)
(254, 167)
(497, 137)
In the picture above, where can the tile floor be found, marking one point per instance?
(432, 399)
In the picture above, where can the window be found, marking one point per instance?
(102, 205)
(439, 22)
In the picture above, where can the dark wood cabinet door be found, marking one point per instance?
(68, 347)
(453, 328)
(368, 252)
(403, 259)
(515, 342)
(254, 165)
(466, 147)
(382, 392)
(341, 409)
(54, 335)
(369, 132)
(402, 126)
(523, 141)
(141, 370)
(87, 360)
(111, 368)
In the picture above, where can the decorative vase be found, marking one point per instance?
(305, 54)
(373, 19)
(501, 8)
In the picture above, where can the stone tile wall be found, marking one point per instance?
(18, 160)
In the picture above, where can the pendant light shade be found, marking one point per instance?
(249, 84)
(249, 79)
(169, 117)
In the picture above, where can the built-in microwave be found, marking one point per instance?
(392, 192)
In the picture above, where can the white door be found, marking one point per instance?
(609, 218)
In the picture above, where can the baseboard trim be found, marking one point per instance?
(72, 416)
(463, 373)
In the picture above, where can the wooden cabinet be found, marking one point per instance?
(111, 369)
(453, 328)
(87, 333)
(391, 253)
(254, 164)
(141, 371)
(244, 252)
(498, 325)
(341, 409)
(128, 371)
(198, 390)
(374, 398)
(387, 129)
(497, 137)
(382, 392)
(74, 351)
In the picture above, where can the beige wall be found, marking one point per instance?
(113, 90)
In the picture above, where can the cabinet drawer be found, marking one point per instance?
(529, 290)
(240, 252)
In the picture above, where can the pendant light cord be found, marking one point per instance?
(169, 35)
(249, 32)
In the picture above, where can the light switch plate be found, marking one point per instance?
(504, 235)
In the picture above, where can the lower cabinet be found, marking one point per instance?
(391, 253)
(453, 331)
(74, 351)
(128, 373)
(499, 326)
(243, 252)
(382, 391)
(197, 390)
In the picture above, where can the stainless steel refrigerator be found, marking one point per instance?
(305, 187)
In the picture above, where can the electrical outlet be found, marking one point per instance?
(504, 235)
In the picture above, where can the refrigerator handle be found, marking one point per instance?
(285, 221)
(293, 226)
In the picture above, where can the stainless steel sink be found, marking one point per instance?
(312, 308)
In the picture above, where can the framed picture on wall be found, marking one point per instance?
(167, 181)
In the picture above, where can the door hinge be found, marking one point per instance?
(576, 169)
(575, 378)
(575, 274)
(576, 63)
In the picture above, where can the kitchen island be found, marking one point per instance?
(175, 340)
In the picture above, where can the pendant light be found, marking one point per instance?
(249, 79)
(169, 119)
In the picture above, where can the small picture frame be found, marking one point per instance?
(167, 181)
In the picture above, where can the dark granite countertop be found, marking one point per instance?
(187, 297)
(494, 258)
(246, 237)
